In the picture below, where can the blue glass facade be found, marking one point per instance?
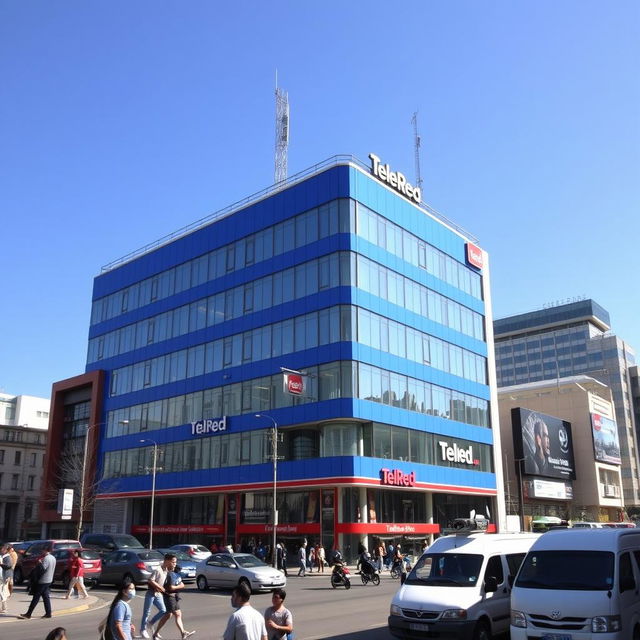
(339, 277)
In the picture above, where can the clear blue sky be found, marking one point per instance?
(123, 121)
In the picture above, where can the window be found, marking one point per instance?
(31, 480)
(33, 459)
(1, 456)
(494, 569)
(14, 481)
(18, 458)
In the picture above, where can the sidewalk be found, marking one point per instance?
(19, 603)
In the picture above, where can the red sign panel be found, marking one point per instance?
(397, 478)
(302, 528)
(294, 384)
(212, 529)
(474, 255)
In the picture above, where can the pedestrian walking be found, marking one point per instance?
(76, 574)
(320, 558)
(118, 620)
(245, 623)
(281, 558)
(40, 584)
(171, 596)
(389, 558)
(6, 572)
(14, 562)
(302, 559)
(59, 633)
(153, 596)
(312, 558)
(278, 618)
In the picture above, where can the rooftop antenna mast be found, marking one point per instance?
(416, 149)
(282, 133)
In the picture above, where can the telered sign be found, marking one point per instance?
(295, 384)
(180, 528)
(397, 478)
(474, 255)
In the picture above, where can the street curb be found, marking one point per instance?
(99, 603)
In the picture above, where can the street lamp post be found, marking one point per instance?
(519, 462)
(274, 450)
(153, 487)
(83, 479)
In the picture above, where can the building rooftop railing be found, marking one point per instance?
(340, 159)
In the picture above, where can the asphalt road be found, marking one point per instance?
(318, 610)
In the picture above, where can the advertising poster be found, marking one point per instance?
(543, 443)
(606, 446)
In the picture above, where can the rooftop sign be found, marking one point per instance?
(208, 427)
(394, 179)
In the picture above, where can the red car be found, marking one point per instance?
(28, 560)
(91, 561)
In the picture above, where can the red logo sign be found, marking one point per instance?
(474, 255)
(295, 384)
(397, 478)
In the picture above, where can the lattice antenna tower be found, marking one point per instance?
(282, 133)
(416, 149)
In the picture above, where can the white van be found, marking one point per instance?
(587, 525)
(578, 585)
(460, 587)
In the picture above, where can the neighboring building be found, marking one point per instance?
(23, 437)
(578, 476)
(339, 274)
(569, 340)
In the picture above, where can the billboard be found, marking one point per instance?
(543, 443)
(606, 446)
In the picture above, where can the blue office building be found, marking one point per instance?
(332, 306)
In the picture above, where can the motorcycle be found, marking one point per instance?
(368, 574)
(340, 576)
(396, 567)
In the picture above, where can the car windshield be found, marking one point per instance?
(180, 555)
(247, 560)
(201, 549)
(87, 554)
(573, 570)
(150, 555)
(126, 542)
(447, 570)
(67, 545)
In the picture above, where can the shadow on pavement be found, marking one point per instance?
(378, 633)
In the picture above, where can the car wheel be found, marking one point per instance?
(66, 579)
(202, 583)
(482, 631)
(246, 583)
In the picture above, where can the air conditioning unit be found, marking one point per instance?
(611, 491)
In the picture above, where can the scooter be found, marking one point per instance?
(340, 576)
(368, 574)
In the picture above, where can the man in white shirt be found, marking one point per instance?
(154, 595)
(245, 623)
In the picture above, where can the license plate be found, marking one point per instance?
(556, 636)
(88, 566)
(414, 626)
(191, 574)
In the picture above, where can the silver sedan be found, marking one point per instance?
(226, 570)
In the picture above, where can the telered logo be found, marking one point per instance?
(295, 384)
(397, 478)
(474, 255)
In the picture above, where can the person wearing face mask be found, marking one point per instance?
(245, 623)
(119, 618)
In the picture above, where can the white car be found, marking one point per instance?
(227, 570)
(196, 552)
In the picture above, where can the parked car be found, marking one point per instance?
(136, 564)
(196, 551)
(107, 542)
(619, 525)
(91, 561)
(226, 570)
(28, 560)
(21, 547)
(186, 563)
(587, 525)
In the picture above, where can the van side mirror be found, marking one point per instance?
(490, 584)
(627, 583)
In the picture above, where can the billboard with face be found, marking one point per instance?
(543, 443)
(606, 446)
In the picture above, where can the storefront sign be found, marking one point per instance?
(180, 528)
(394, 179)
(208, 427)
(457, 454)
(474, 255)
(606, 445)
(397, 478)
(548, 489)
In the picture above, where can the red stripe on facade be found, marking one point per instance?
(309, 483)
